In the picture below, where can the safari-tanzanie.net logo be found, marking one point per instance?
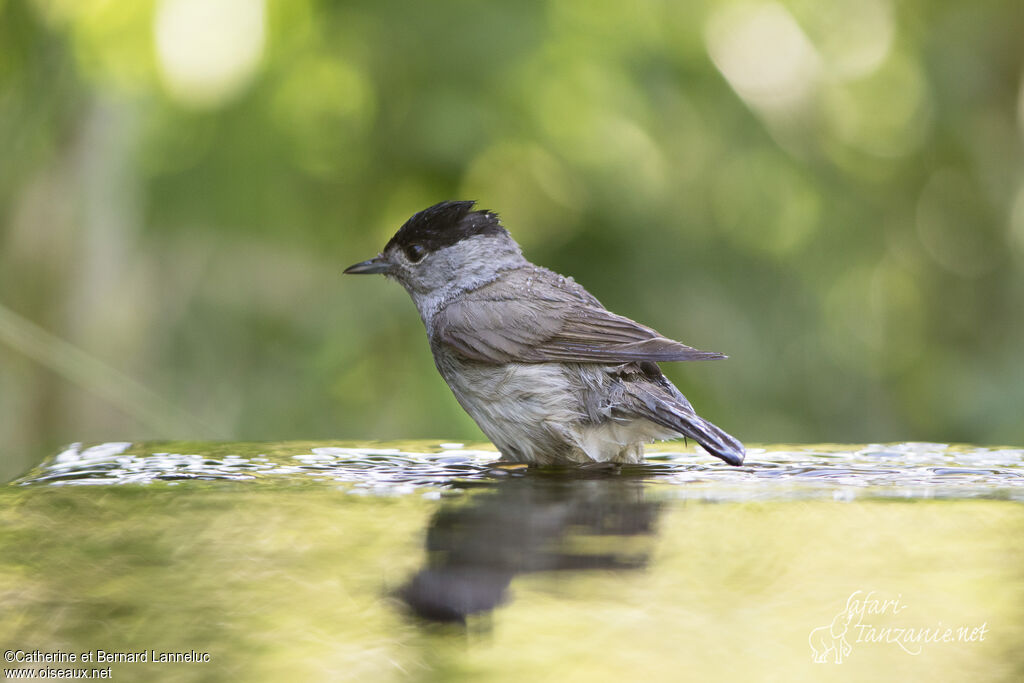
(877, 619)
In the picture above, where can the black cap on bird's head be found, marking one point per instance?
(442, 225)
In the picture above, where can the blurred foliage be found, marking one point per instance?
(831, 193)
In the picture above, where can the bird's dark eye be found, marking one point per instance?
(415, 252)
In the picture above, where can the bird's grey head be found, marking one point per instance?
(445, 249)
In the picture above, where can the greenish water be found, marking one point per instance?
(425, 561)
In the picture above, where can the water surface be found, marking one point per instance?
(328, 561)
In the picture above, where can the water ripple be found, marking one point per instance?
(842, 472)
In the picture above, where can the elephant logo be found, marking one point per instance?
(831, 639)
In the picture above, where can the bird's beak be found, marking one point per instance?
(378, 264)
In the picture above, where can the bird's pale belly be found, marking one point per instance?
(536, 413)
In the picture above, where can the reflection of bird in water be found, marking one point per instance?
(526, 524)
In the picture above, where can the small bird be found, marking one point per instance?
(548, 373)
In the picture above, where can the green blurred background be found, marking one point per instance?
(832, 193)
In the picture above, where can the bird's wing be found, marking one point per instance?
(549, 321)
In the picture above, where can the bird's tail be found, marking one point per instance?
(680, 417)
(714, 440)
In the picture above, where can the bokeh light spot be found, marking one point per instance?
(853, 37)
(764, 55)
(1016, 235)
(895, 129)
(1020, 105)
(208, 50)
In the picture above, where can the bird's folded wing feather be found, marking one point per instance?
(552, 327)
